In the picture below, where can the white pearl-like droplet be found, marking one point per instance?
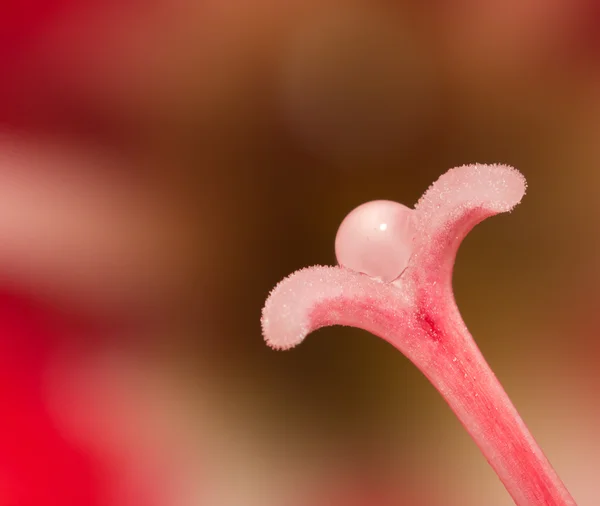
(376, 239)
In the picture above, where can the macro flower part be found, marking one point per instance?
(416, 312)
(441, 219)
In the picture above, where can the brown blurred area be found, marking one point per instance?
(176, 159)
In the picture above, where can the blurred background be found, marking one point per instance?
(163, 164)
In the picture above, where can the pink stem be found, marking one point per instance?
(463, 377)
(432, 334)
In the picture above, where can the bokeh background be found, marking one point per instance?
(163, 164)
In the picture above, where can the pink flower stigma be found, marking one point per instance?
(395, 281)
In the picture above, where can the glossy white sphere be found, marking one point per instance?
(376, 239)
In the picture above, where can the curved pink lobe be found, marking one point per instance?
(454, 204)
(321, 296)
(417, 314)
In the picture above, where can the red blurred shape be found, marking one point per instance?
(22, 20)
(38, 467)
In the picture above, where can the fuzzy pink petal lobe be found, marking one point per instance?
(495, 188)
(460, 199)
(319, 296)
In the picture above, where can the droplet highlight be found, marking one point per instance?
(377, 239)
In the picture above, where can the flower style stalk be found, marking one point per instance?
(395, 281)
